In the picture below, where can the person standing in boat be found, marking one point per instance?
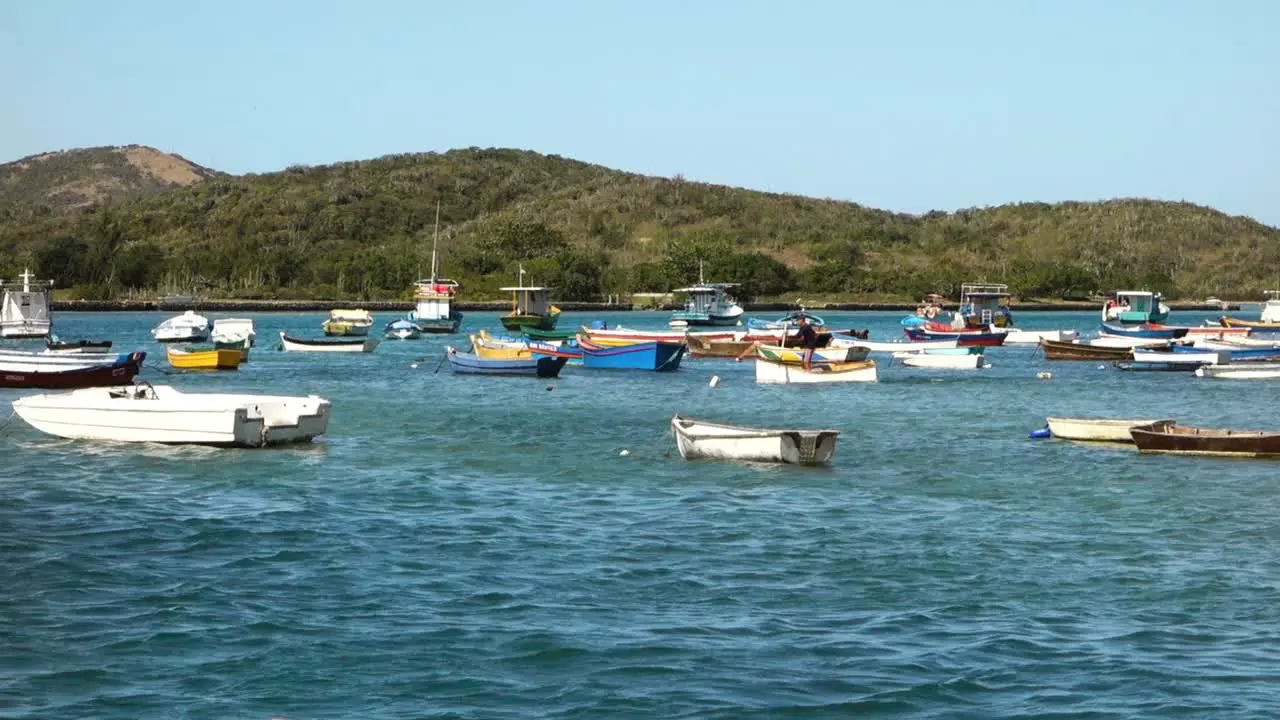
(808, 337)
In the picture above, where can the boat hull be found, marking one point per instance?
(696, 439)
(941, 361)
(1147, 332)
(702, 347)
(1017, 336)
(73, 347)
(517, 322)
(292, 344)
(74, 377)
(655, 356)
(1241, 371)
(163, 415)
(441, 326)
(205, 359)
(1094, 430)
(795, 356)
(469, 364)
(1082, 351)
(962, 339)
(1170, 438)
(1227, 321)
(772, 373)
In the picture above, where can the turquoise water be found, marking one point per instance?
(477, 547)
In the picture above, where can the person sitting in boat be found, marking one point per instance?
(808, 337)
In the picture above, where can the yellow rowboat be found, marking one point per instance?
(204, 358)
(491, 349)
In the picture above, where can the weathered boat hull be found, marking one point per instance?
(1094, 429)
(517, 322)
(1170, 438)
(774, 373)
(74, 377)
(469, 364)
(697, 439)
(1227, 321)
(701, 347)
(1082, 351)
(657, 356)
(440, 326)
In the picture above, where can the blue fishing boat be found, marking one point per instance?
(1262, 353)
(1145, 331)
(659, 356)
(568, 350)
(468, 364)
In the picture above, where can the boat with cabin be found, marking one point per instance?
(347, 323)
(1168, 437)
(1268, 319)
(699, 439)
(162, 414)
(1134, 307)
(984, 305)
(24, 308)
(530, 307)
(707, 304)
(185, 328)
(433, 297)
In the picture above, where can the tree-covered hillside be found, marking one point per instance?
(364, 229)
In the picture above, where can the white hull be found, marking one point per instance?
(233, 329)
(164, 415)
(366, 345)
(25, 329)
(1234, 343)
(942, 362)
(187, 327)
(16, 361)
(893, 347)
(712, 441)
(24, 308)
(1090, 430)
(1182, 358)
(771, 373)
(1241, 371)
(1117, 341)
(1018, 336)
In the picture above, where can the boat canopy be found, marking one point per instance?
(529, 300)
(707, 289)
(1142, 301)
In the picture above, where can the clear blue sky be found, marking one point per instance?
(910, 106)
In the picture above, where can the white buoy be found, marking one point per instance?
(624, 453)
(1044, 375)
(715, 380)
(413, 365)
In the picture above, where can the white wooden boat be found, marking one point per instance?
(1018, 336)
(25, 361)
(1094, 429)
(698, 439)
(1207, 357)
(892, 347)
(24, 308)
(959, 359)
(820, 355)
(352, 345)
(230, 330)
(162, 414)
(1240, 371)
(768, 372)
(187, 327)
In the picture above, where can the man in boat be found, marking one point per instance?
(809, 338)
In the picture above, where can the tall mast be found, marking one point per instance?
(435, 238)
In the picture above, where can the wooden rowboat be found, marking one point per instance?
(704, 347)
(1229, 322)
(1094, 429)
(698, 439)
(1167, 436)
(1054, 350)
(769, 372)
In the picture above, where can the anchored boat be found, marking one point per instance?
(699, 439)
(24, 308)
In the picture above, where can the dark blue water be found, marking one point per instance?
(479, 548)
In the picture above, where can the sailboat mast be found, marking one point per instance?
(435, 239)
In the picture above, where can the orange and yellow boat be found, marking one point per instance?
(204, 358)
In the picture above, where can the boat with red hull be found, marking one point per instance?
(964, 338)
(120, 372)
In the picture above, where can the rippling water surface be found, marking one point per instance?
(479, 547)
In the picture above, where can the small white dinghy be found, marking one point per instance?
(776, 373)
(339, 344)
(1094, 430)
(162, 414)
(697, 439)
(1018, 336)
(957, 359)
(1241, 371)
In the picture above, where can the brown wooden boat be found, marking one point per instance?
(702, 347)
(1058, 350)
(1227, 321)
(1167, 436)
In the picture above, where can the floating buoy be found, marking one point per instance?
(1040, 434)
(624, 453)
(413, 365)
(715, 380)
(1102, 367)
(1044, 375)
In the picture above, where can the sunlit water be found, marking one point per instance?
(479, 547)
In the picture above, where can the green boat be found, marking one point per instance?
(530, 308)
(534, 333)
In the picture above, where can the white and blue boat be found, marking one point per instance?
(1135, 307)
(1151, 332)
(707, 304)
(658, 356)
(786, 322)
(402, 329)
(433, 310)
(469, 364)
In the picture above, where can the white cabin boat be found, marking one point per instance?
(349, 345)
(707, 304)
(698, 439)
(162, 414)
(776, 373)
(24, 308)
(1135, 307)
(958, 359)
(1241, 371)
(1271, 308)
(433, 310)
(187, 327)
(231, 330)
(1094, 430)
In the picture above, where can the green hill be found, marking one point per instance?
(364, 229)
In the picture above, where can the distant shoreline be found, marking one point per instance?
(405, 306)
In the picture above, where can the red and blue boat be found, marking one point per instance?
(1146, 331)
(658, 356)
(989, 337)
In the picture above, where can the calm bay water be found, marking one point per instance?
(478, 547)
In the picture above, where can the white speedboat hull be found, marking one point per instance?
(1241, 371)
(162, 414)
(941, 362)
(696, 439)
(1094, 430)
(1018, 336)
(771, 373)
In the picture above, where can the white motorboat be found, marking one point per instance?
(162, 414)
(22, 361)
(187, 327)
(958, 359)
(769, 372)
(24, 308)
(1018, 336)
(234, 330)
(698, 439)
(350, 345)
(1094, 429)
(1241, 371)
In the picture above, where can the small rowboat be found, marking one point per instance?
(1146, 331)
(657, 356)
(353, 345)
(468, 364)
(54, 345)
(963, 338)
(795, 356)
(1166, 436)
(698, 439)
(777, 373)
(1229, 322)
(955, 359)
(1082, 351)
(117, 370)
(1241, 371)
(702, 347)
(204, 358)
(1094, 429)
